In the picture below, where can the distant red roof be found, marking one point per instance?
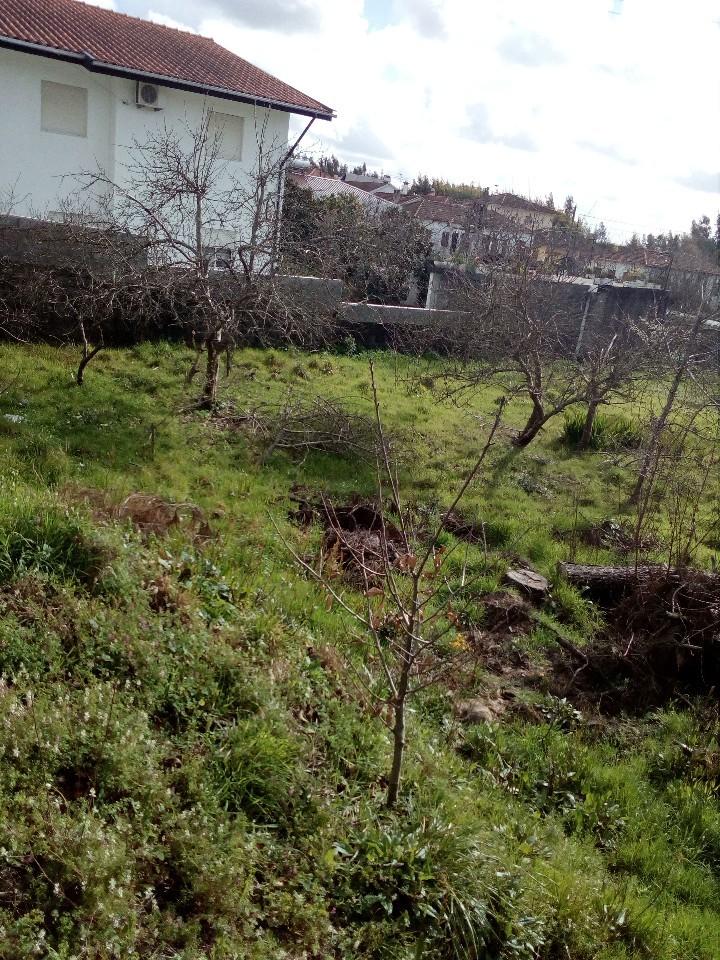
(332, 187)
(440, 209)
(512, 200)
(113, 43)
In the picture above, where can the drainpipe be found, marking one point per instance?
(281, 191)
(591, 292)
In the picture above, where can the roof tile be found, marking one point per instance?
(138, 46)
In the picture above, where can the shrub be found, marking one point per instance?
(427, 879)
(612, 431)
(37, 537)
(42, 459)
(257, 770)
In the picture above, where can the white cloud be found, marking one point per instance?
(424, 15)
(616, 109)
(529, 49)
(701, 180)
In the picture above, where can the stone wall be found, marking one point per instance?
(584, 307)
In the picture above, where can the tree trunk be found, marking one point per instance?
(610, 583)
(212, 372)
(586, 436)
(535, 422)
(398, 752)
(86, 358)
(399, 701)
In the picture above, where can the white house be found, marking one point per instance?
(467, 227)
(80, 84)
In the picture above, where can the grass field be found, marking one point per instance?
(188, 767)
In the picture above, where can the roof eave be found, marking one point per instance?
(112, 70)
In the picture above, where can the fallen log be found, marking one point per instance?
(612, 583)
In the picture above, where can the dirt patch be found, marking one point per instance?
(662, 643)
(150, 513)
(359, 542)
(616, 535)
(506, 613)
(463, 528)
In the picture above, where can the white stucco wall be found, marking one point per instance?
(37, 166)
(436, 231)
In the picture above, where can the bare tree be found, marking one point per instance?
(207, 231)
(519, 330)
(686, 352)
(375, 248)
(616, 365)
(410, 601)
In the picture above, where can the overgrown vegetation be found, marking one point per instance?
(192, 765)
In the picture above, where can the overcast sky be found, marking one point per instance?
(614, 101)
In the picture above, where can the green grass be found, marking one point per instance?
(190, 767)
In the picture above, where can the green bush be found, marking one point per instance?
(611, 431)
(258, 770)
(44, 538)
(427, 881)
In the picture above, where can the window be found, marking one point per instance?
(64, 109)
(228, 130)
(445, 238)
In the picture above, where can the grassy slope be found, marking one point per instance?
(185, 776)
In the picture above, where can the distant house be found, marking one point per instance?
(448, 222)
(322, 187)
(81, 83)
(639, 263)
(686, 268)
(466, 227)
(381, 186)
(528, 214)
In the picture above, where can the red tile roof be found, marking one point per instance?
(114, 43)
(513, 201)
(440, 209)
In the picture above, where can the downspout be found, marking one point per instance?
(591, 292)
(281, 192)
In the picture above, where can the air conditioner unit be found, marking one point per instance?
(220, 258)
(148, 95)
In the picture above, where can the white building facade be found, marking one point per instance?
(61, 121)
(83, 87)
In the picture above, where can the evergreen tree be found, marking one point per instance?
(600, 233)
(332, 167)
(421, 184)
(700, 229)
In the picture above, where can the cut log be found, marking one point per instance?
(612, 583)
(528, 580)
